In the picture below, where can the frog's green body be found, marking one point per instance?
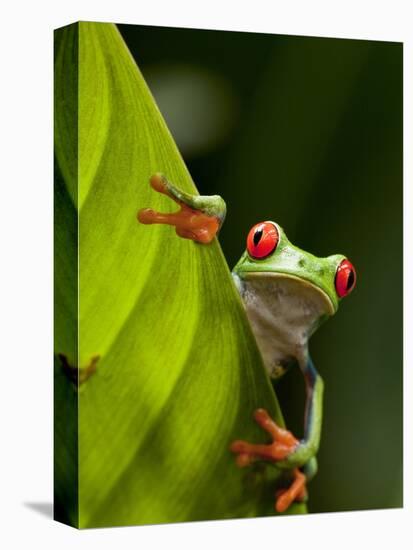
(287, 294)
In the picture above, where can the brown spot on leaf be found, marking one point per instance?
(78, 375)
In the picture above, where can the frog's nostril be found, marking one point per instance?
(301, 262)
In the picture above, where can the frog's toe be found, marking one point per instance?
(297, 491)
(203, 235)
(147, 216)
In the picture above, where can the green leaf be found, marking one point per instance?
(179, 373)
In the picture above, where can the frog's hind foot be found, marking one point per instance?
(297, 491)
(199, 217)
(283, 443)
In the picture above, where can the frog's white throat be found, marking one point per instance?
(283, 311)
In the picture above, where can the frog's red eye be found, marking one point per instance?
(345, 278)
(262, 240)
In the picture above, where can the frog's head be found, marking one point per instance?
(271, 255)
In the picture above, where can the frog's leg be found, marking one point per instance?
(199, 218)
(308, 446)
(310, 469)
(285, 450)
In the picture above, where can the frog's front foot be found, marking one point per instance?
(199, 218)
(283, 444)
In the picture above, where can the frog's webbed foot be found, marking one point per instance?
(297, 491)
(283, 444)
(199, 218)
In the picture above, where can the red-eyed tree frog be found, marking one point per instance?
(287, 294)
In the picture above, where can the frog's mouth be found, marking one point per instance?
(304, 286)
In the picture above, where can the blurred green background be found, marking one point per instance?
(307, 132)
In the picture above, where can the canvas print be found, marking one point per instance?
(228, 275)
